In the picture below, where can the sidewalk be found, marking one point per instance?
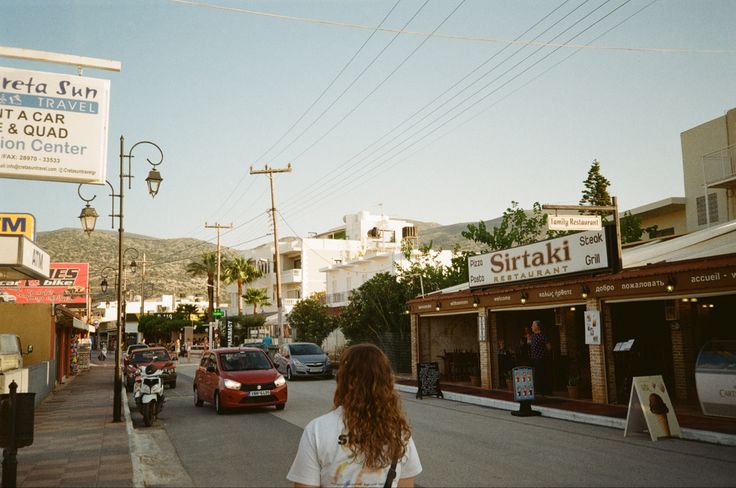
(695, 426)
(75, 441)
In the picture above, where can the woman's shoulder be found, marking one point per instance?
(332, 419)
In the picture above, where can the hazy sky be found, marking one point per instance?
(405, 128)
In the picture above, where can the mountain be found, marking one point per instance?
(166, 275)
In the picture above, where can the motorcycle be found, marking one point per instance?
(148, 393)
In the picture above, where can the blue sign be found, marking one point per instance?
(523, 383)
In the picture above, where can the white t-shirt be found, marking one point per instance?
(322, 461)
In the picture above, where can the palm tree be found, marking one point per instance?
(241, 271)
(255, 297)
(207, 266)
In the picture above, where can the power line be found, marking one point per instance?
(336, 175)
(381, 83)
(350, 85)
(326, 195)
(454, 37)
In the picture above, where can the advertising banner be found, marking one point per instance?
(67, 283)
(574, 222)
(585, 251)
(650, 408)
(592, 327)
(53, 126)
(523, 383)
(18, 224)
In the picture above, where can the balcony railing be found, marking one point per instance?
(291, 276)
(719, 168)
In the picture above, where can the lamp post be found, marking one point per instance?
(88, 218)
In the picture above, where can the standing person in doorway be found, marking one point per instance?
(103, 352)
(366, 440)
(267, 341)
(541, 352)
(523, 352)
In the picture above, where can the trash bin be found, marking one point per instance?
(24, 413)
(715, 378)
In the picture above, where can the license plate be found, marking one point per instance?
(260, 392)
(315, 370)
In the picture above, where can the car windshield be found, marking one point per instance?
(305, 349)
(244, 361)
(140, 357)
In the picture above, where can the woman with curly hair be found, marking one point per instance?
(365, 440)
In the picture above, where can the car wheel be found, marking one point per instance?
(288, 373)
(218, 406)
(197, 401)
(280, 406)
(149, 413)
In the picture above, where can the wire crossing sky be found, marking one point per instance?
(433, 110)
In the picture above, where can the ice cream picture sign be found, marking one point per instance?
(650, 408)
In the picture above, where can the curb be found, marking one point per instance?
(584, 418)
(138, 474)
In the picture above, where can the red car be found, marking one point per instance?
(159, 357)
(238, 377)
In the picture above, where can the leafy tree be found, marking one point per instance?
(596, 189)
(310, 318)
(517, 228)
(256, 297)
(241, 271)
(206, 266)
(375, 313)
(631, 230)
(426, 273)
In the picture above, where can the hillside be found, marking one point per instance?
(167, 274)
(170, 256)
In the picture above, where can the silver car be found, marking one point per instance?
(302, 359)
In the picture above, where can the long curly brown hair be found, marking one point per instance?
(377, 428)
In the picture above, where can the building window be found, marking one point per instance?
(298, 263)
(712, 209)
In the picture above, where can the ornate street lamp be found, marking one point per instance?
(88, 219)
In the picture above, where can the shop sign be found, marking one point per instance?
(585, 251)
(592, 327)
(482, 328)
(53, 126)
(523, 383)
(18, 224)
(690, 281)
(574, 222)
(459, 303)
(425, 306)
(650, 408)
(22, 254)
(67, 283)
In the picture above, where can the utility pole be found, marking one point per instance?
(143, 284)
(217, 282)
(277, 258)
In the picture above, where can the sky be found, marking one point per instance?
(434, 110)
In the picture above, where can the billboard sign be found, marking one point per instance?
(53, 126)
(585, 251)
(18, 224)
(574, 222)
(68, 283)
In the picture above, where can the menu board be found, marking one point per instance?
(428, 380)
(523, 383)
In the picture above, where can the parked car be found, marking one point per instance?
(302, 359)
(159, 357)
(238, 377)
(7, 297)
(132, 348)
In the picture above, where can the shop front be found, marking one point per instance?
(605, 327)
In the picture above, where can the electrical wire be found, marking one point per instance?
(455, 37)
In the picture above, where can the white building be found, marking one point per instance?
(306, 262)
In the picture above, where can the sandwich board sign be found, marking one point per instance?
(650, 409)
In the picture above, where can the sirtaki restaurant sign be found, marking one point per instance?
(575, 253)
(67, 283)
(53, 126)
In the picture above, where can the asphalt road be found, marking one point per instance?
(459, 445)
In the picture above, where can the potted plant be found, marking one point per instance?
(573, 390)
(509, 376)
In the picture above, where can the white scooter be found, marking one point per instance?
(148, 393)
